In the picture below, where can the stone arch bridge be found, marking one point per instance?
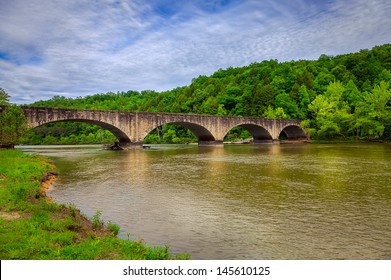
(132, 127)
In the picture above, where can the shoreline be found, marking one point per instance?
(49, 230)
(47, 182)
(247, 141)
(346, 142)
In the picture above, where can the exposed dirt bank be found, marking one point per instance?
(47, 181)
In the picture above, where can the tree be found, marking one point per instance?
(12, 125)
(12, 122)
(352, 95)
(373, 114)
(4, 97)
(331, 114)
(277, 113)
(262, 97)
(284, 101)
(304, 100)
(322, 80)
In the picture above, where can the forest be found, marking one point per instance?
(343, 97)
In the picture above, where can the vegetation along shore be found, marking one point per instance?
(35, 227)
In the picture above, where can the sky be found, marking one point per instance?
(76, 48)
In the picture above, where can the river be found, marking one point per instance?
(293, 201)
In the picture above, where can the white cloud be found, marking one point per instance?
(75, 48)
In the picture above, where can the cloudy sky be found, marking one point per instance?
(81, 47)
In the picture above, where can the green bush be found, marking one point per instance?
(114, 228)
(97, 222)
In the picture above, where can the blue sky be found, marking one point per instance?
(81, 47)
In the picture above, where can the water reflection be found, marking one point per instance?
(239, 202)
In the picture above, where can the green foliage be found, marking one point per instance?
(4, 97)
(277, 113)
(114, 228)
(373, 114)
(12, 121)
(237, 133)
(97, 222)
(170, 134)
(332, 115)
(285, 102)
(72, 208)
(68, 133)
(341, 96)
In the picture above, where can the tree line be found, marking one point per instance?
(12, 122)
(346, 96)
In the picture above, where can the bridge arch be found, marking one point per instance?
(121, 136)
(203, 134)
(293, 132)
(258, 132)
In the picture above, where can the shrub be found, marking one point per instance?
(97, 222)
(114, 228)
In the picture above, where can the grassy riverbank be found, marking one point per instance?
(34, 227)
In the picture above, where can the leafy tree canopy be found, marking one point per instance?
(12, 121)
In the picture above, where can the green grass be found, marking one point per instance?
(32, 227)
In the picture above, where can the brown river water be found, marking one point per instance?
(294, 201)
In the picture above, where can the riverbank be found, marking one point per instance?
(34, 227)
(348, 141)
